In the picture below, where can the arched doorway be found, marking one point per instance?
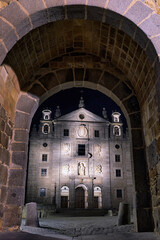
(79, 198)
(137, 58)
(64, 197)
(97, 197)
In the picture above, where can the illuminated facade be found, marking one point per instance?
(79, 160)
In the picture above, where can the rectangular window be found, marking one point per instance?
(66, 132)
(43, 172)
(118, 172)
(117, 158)
(44, 157)
(96, 133)
(42, 192)
(119, 193)
(81, 149)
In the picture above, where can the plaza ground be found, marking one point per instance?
(78, 228)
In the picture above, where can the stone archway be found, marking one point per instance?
(124, 59)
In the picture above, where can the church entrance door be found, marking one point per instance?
(79, 198)
(64, 202)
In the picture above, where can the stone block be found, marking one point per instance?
(141, 38)
(132, 104)
(4, 156)
(20, 20)
(108, 80)
(16, 177)
(22, 120)
(2, 113)
(138, 12)
(19, 158)
(152, 159)
(3, 53)
(36, 10)
(135, 120)
(112, 18)
(151, 25)
(4, 140)
(95, 13)
(76, 11)
(96, 3)
(151, 51)
(2, 125)
(21, 136)
(7, 34)
(53, 3)
(12, 216)
(57, 13)
(120, 7)
(19, 147)
(1, 210)
(78, 2)
(26, 103)
(4, 191)
(3, 175)
(128, 27)
(15, 196)
(8, 130)
(137, 138)
(122, 91)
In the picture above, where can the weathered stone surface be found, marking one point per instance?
(21, 136)
(112, 18)
(8, 130)
(15, 196)
(12, 216)
(76, 11)
(37, 11)
(32, 215)
(19, 158)
(122, 91)
(16, 177)
(120, 7)
(19, 147)
(95, 13)
(21, 23)
(2, 125)
(128, 27)
(22, 120)
(57, 13)
(4, 156)
(151, 25)
(138, 12)
(132, 104)
(3, 175)
(4, 191)
(7, 33)
(135, 120)
(152, 158)
(4, 140)
(147, 224)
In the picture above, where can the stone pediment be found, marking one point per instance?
(83, 115)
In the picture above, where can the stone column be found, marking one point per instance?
(72, 193)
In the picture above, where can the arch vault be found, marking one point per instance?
(46, 46)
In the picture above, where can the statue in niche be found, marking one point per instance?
(97, 149)
(81, 169)
(98, 169)
(66, 169)
(66, 148)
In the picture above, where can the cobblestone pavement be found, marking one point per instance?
(87, 228)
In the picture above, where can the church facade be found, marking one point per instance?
(80, 160)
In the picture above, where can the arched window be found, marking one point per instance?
(116, 131)
(45, 128)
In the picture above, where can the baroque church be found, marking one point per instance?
(80, 160)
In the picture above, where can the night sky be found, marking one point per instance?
(68, 101)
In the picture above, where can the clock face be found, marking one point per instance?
(82, 131)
